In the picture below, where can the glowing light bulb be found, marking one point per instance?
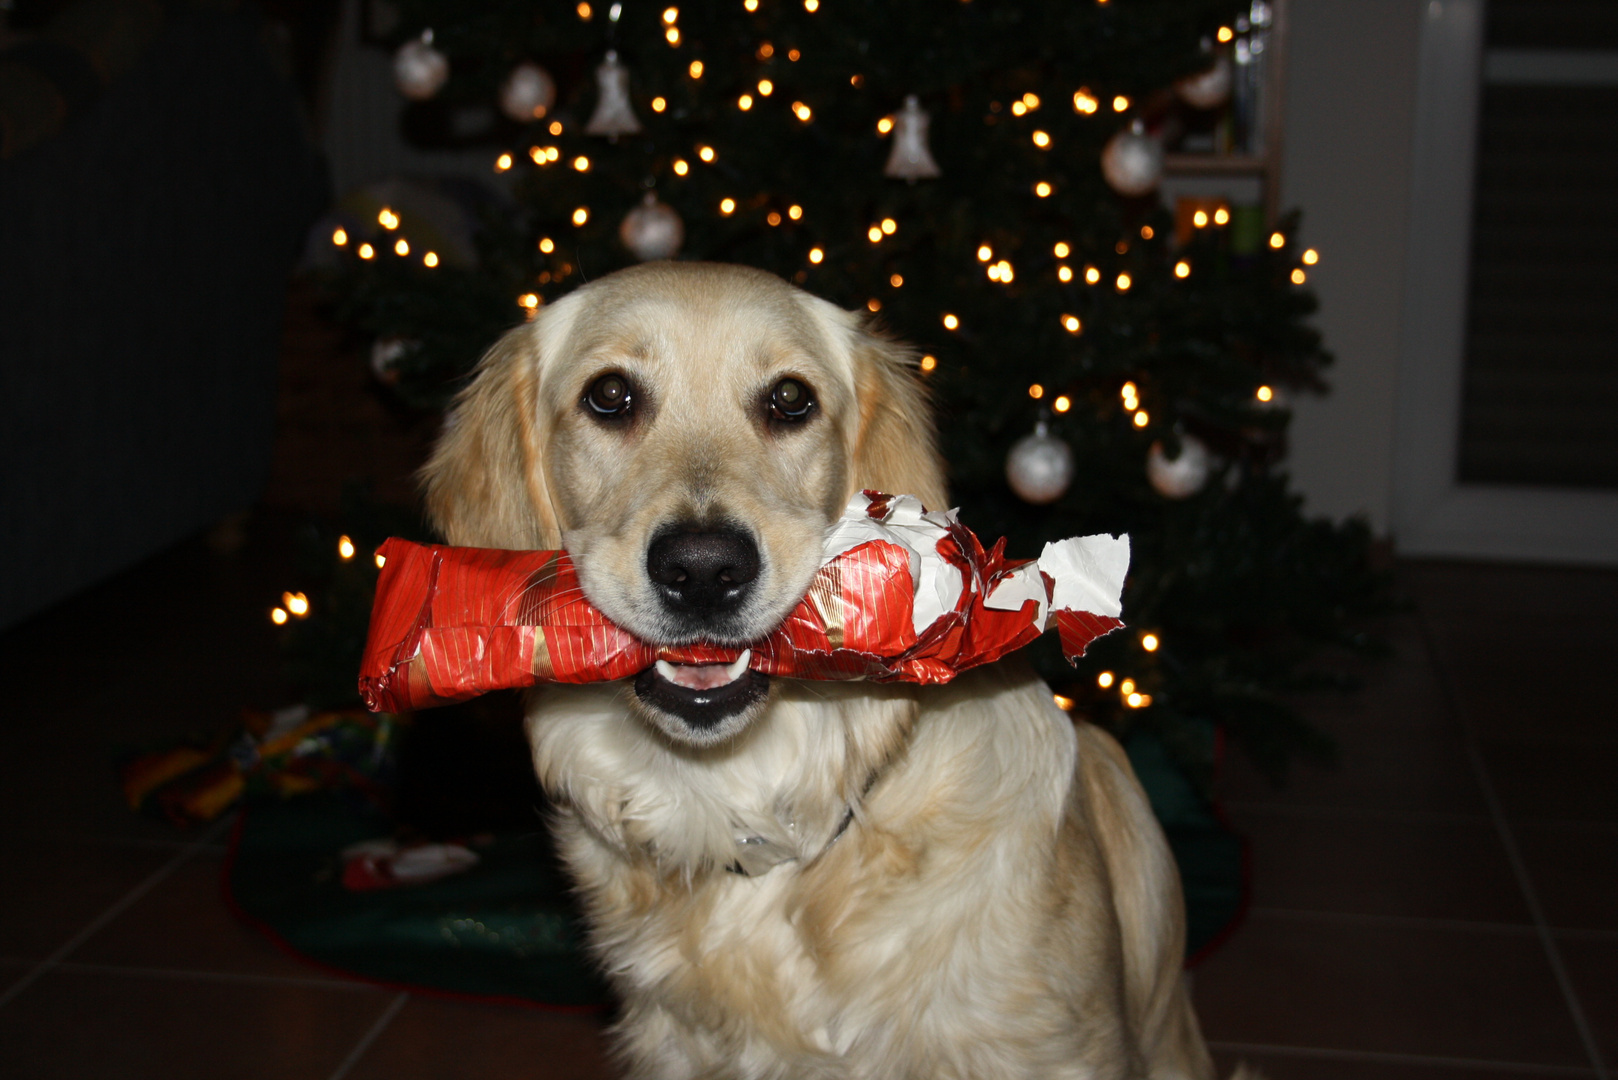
(671, 15)
(727, 206)
(1124, 282)
(793, 55)
(1092, 275)
(873, 304)
(1061, 249)
(1063, 703)
(340, 237)
(278, 616)
(1064, 273)
(889, 226)
(985, 253)
(1129, 390)
(1200, 219)
(1142, 419)
(1277, 240)
(659, 104)
(502, 163)
(874, 233)
(1149, 642)
(765, 51)
(584, 12)
(1104, 679)
(1127, 686)
(816, 254)
(1298, 276)
(554, 129)
(1031, 100)
(528, 300)
(1225, 34)
(672, 35)
(794, 212)
(811, 6)
(695, 70)
(1084, 103)
(1036, 391)
(546, 245)
(1062, 404)
(1182, 269)
(928, 363)
(1120, 103)
(993, 271)
(345, 548)
(1136, 700)
(1042, 140)
(951, 322)
(884, 125)
(581, 215)
(387, 219)
(1071, 324)
(1018, 108)
(401, 247)
(1042, 189)
(1147, 232)
(744, 102)
(896, 280)
(750, 5)
(1311, 256)
(802, 111)
(1264, 393)
(773, 218)
(706, 153)
(765, 87)
(1221, 216)
(680, 167)
(296, 603)
(381, 560)
(366, 251)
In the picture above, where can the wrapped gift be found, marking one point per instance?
(902, 594)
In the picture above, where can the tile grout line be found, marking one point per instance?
(371, 1035)
(1519, 867)
(1322, 1053)
(95, 925)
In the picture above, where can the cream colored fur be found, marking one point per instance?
(1001, 904)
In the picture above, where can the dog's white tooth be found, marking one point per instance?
(666, 669)
(734, 671)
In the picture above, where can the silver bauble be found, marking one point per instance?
(1181, 477)
(1210, 89)
(1040, 466)
(614, 115)
(386, 354)
(419, 70)
(1132, 161)
(910, 159)
(528, 93)
(652, 230)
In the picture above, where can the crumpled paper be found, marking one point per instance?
(903, 594)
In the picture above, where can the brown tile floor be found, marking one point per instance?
(1442, 905)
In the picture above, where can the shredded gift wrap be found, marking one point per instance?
(902, 594)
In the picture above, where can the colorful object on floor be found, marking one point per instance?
(902, 595)
(288, 752)
(503, 928)
(387, 864)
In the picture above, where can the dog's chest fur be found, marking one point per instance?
(933, 928)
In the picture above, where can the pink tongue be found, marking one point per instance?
(701, 676)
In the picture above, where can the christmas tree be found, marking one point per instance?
(979, 177)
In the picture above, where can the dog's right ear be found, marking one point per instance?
(485, 482)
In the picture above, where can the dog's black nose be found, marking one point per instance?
(703, 572)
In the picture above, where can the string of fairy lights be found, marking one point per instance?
(997, 267)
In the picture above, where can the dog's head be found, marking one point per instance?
(686, 431)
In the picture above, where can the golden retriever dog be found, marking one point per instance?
(789, 878)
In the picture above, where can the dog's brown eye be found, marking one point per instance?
(609, 396)
(791, 401)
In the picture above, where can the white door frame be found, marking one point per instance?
(1432, 513)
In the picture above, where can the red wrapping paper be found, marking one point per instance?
(452, 623)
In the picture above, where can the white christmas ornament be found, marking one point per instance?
(1178, 478)
(614, 115)
(1208, 90)
(1040, 466)
(528, 93)
(910, 159)
(386, 353)
(419, 70)
(652, 230)
(1132, 161)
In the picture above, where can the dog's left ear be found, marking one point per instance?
(896, 448)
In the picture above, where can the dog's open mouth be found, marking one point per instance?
(702, 695)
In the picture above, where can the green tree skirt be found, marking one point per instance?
(508, 929)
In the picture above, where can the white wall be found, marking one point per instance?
(1350, 114)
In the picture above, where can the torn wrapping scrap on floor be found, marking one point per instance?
(902, 595)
